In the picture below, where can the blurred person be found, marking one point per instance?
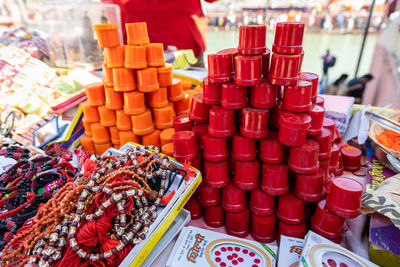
(328, 61)
(338, 87)
(356, 87)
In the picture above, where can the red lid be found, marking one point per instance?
(309, 187)
(265, 62)
(331, 125)
(233, 199)
(304, 158)
(216, 173)
(183, 123)
(199, 110)
(297, 97)
(351, 158)
(215, 148)
(232, 51)
(233, 96)
(248, 70)
(211, 92)
(288, 38)
(243, 148)
(295, 120)
(326, 223)
(254, 123)
(275, 179)
(291, 209)
(292, 230)
(263, 228)
(313, 78)
(319, 101)
(325, 143)
(334, 161)
(263, 95)
(252, 39)
(208, 196)
(221, 122)
(220, 67)
(214, 216)
(237, 223)
(317, 115)
(185, 144)
(200, 130)
(271, 150)
(261, 203)
(246, 174)
(284, 69)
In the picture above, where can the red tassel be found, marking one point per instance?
(190, 173)
(166, 200)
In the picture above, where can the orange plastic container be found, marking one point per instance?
(175, 91)
(135, 57)
(142, 123)
(171, 104)
(163, 117)
(107, 116)
(186, 84)
(107, 35)
(155, 55)
(101, 148)
(114, 133)
(198, 89)
(158, 99)
(95, 94)
(137, 33)
(166, 136)
(115, 56)
(134, 103)
(107, 75)
(100, 134)
(124, 122)
(128, 136)
(168, 149)
(147, 80)
(124, 79)
(164, 75)
(90, 113)
(87, 126)
(114, 100)
(182, 107)
(87, 144)
(152, 138)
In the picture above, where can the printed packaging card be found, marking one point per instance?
(200, 247)
(290, 250)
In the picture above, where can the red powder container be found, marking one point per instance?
(330, 125)
(271, 150)
(246, 174)
(263, 95)
(334, 161)
(208, 196)
(252, 39)
(288, 38)
(304, 158)
(351, 158)
(292, 230)
(238, 224)
(340, 167)
(214, 216)
(313, 78)
(297, 97)
(222, 122)
(309, 187)
(324, 140)
(254, 123)
(293, 128)
(200, 130)
(325, 223)
(243, 148)
(275, 179)
(198, 109)
(261, 203)
(215, 148)
(182, 123)
(216, 173)
(248, 70)
(233, 96)
(233, 199)
(291, 209)
(284, 69)
(185, 145)
(344, 198)
(265, 59)
(263, 228)
(196, 211)
(317, 115)
(211, 92)
(324, 165)
(220, 67)
(319, 101)
(275, 114)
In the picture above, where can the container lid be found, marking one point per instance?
(301, 84)
(308, 145)
(220, 110)
(164, 69)
(297, 120)
(316, 109)
(110, 26)
(347, 184)
(351, 151)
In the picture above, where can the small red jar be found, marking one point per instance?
(351, 158)
(265, 59)
(340, 167)
(293, 128)
(198, 109)
(292, 230)
(313, 78)
(288, 38)
(330, 125)
(208, 196)
(248, 70)
(243, 148)
(275, 180)
(317, 115)
(344, 198)
(284, 69)
(200, 130)
(215, 148)
(211, 92)
(222, 122)
(216, 173)
(297, 97)
(182, 123)
(309, 187)
(304, 158)
(324, 165)
(271, 150)
(252, 39)
(194, 207)
(319, 101)
(246, 174)
(325, 223)
(233, 199)
(263, 228)
(263, 95)
(324, 140)
(261, 203)
(214, 216)
(237, 224)
(254, 123)
(233, 96)
(220, 67)
(275, 114)
(334, 160)
(185, 145)
(291, 209)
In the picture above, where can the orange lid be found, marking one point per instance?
(152, 139)
(158, 99)
(183, 107)
(128, 136)
(171, 104)
(137, 33)
(114, 133)
(107, 116)
(166, 136)
(168, 149)
(107, 35)
(198, 89)
(186, 84)
(124, 79)
(90, 112)
(115, 56)
(167, 68)
(101, 148)
(123, 121)
(107, 75)
(87, 144)
(87, 126)
(175, 91)
(114, 100)
(134, 103)
(163, 117)
(100, 134)
(135, 57)
(95, 94)
(143, 123)
(155, 55)
(147, 80)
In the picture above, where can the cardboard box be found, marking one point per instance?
(290, 250)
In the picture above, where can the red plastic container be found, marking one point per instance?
(237, 224)
(208, 196)
(351, 158)
(233, 199)
(293, 128)
(297, 97)
(284, 69)
(309, 187)
(248, 70)
(263, 228)
(246, 174)
(324, 140)
(265, 59)
(275, 114)
(200, 130)
(196, 211)
(216, 173)
(243, 148)
(344, 198)
(252, 39)
(254, 123)
(275, 180)
(185, 145)
(327, 224)
(330, 125)
(215, 148)
(291, 209)
(214, 216)
(288, 38)
(324, 165)
(220, 67)
(199, 110)
(319, 101)
(313, 78)
(340, 168)
(261, 203)
(211, 92)
(292, 230)
(317, 115)
(271, 150)
(182, 123)
(263, 95)
(334, 160)
(233, 96)
(304, 158)
(221, 122)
